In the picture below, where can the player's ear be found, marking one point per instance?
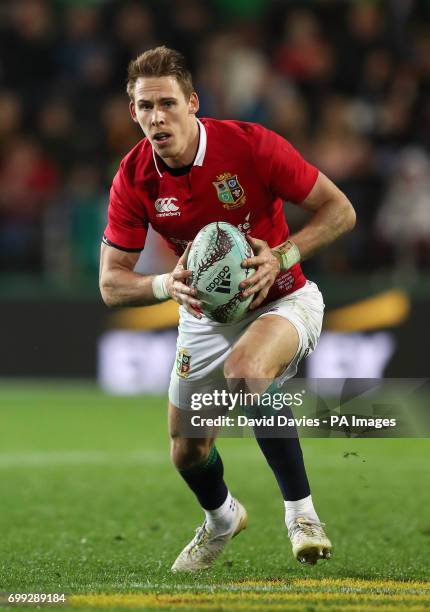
(193, 104)
(132, 108)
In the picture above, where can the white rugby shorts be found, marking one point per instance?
(203, 345)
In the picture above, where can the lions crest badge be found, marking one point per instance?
(229, 191)
(183, 362)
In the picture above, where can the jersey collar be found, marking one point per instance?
(201, 149)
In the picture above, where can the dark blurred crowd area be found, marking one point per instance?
(347, 82)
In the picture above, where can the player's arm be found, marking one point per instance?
(333, 215)
(288, 175)
(121, 286)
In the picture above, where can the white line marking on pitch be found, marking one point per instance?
(91, 457)
(65, 458)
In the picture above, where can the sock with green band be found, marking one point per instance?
(206, 480)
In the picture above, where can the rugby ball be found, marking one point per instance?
(215, 260)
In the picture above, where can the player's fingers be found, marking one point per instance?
(184, 257)
(256, 243)
(183, 289)
(259, 299)
(196, 313)
(194, 309)
(248, 281)
(255, 287)
(188, 298)
(181, 274)
(253, 262)
(251, 280)
(260, 278)
(192, 303)
(187, 302)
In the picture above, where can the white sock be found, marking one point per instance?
(301, 507)
(222, 518)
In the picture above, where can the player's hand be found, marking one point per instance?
(267, 269)
(178, 289)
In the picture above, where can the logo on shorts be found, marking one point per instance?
(183, 362)
(166, 207)
(229, 191)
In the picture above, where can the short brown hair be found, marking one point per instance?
(159, 62)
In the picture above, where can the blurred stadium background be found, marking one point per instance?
(347, 82)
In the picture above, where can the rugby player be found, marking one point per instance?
(186, 173)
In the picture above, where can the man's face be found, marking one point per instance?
(165, 115)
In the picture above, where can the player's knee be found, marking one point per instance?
(240, 365)
(186, 454)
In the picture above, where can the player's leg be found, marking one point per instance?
(200, 465)
(262, 353)
(198, 370)
(271, 345)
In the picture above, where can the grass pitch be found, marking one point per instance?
(91, 507)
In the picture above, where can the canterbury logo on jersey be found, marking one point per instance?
(166, 207)
(221, 283)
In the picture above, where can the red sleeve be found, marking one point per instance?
(280, 166)
(127, 224)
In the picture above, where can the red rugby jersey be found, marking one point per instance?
(241, 174)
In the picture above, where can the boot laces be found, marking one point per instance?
(201, 537)
(308, 527)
